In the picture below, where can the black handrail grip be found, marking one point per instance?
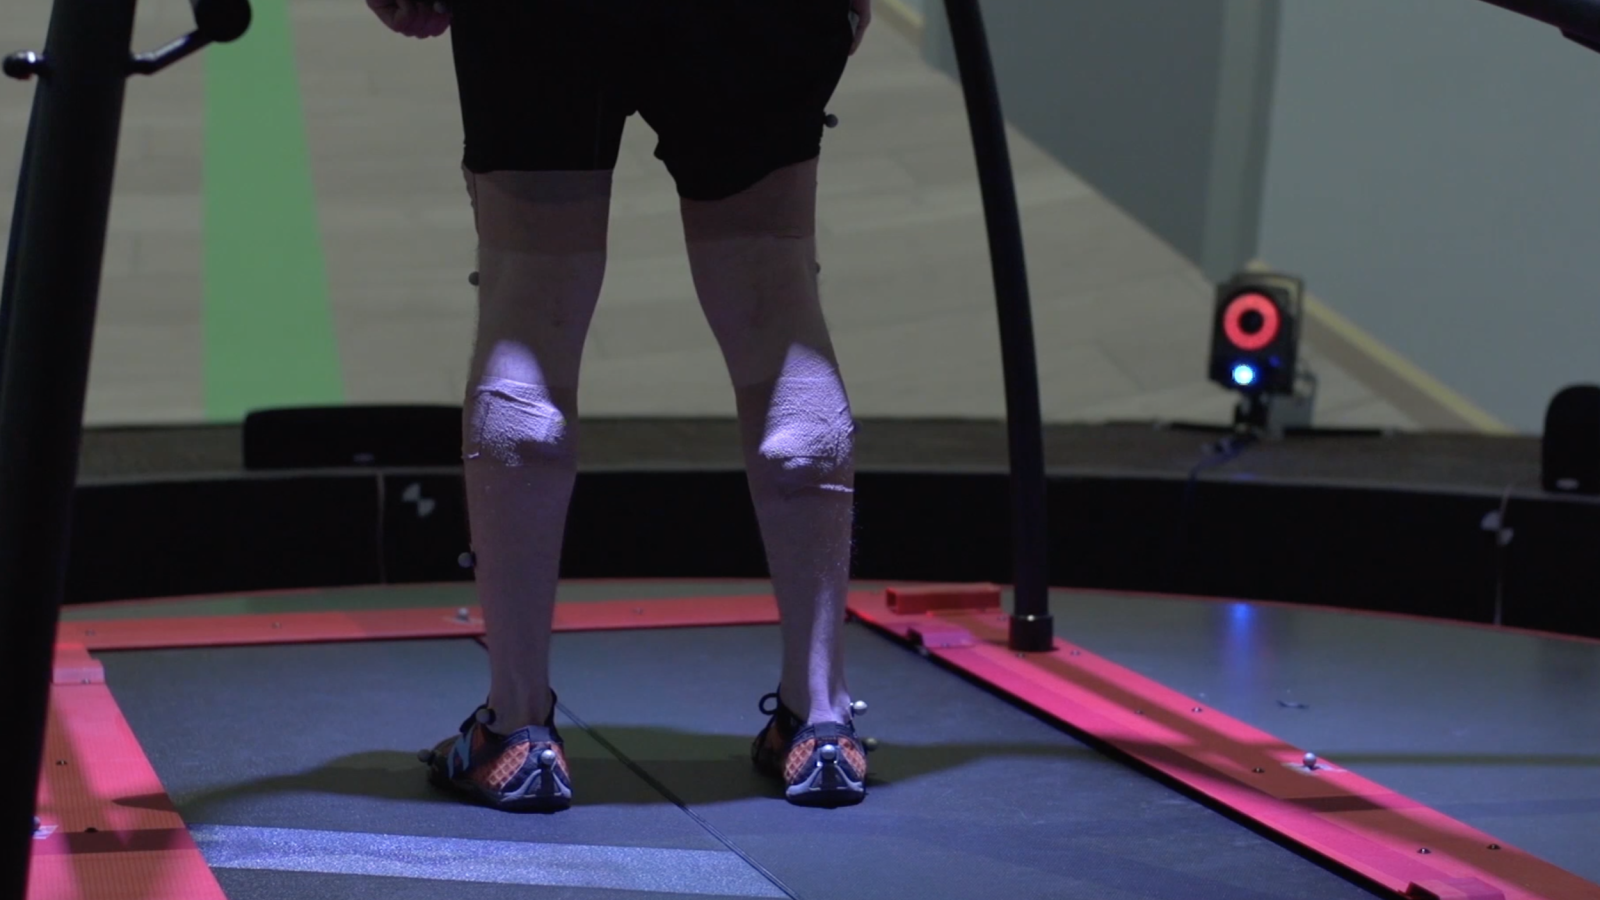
(221, 20)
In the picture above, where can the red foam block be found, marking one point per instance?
(908, 601)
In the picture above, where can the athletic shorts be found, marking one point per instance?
(734, 89)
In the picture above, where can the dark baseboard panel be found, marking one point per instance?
(1371, 546)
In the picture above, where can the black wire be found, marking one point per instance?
(1218, 454)
(666, 792)
(1500, 545)
(1223, 452)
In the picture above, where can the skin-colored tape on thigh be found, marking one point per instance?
(784, 204)
(542, 212)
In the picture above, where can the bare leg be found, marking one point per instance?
(541, 261)
(753, 257)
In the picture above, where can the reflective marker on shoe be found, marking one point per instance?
(524, 771)
(820, 765)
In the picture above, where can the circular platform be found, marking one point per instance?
(283, 728)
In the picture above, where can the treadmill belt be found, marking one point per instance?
(295, 767)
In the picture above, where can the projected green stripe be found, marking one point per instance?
(269, 337)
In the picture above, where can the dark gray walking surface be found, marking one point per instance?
(295, 767)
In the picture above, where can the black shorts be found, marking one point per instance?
(734, 89)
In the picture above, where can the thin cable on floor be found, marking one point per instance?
(666, 792)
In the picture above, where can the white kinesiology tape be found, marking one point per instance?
(516, 424)
(808, 438)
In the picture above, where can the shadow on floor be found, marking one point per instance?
(696, 768)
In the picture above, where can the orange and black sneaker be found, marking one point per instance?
(524, 771)
(821, 765)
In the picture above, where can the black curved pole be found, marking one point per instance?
(8, 281)
(53, 284)
(1032, 629)
(49, 294)
(1579, 20)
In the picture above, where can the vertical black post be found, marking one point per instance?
(1031, 627)
(54, 282)
(9, 280)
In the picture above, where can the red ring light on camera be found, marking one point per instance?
(1233, 327)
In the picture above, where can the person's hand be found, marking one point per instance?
(412, 18)
(863, 9)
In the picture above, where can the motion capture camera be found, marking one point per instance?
(1255, 350)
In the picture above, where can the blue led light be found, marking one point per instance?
(1244, 375)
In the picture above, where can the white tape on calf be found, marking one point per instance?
(808, 442)
(516, 424)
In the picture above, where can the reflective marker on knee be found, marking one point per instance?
(829, 753)
(547, 759)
